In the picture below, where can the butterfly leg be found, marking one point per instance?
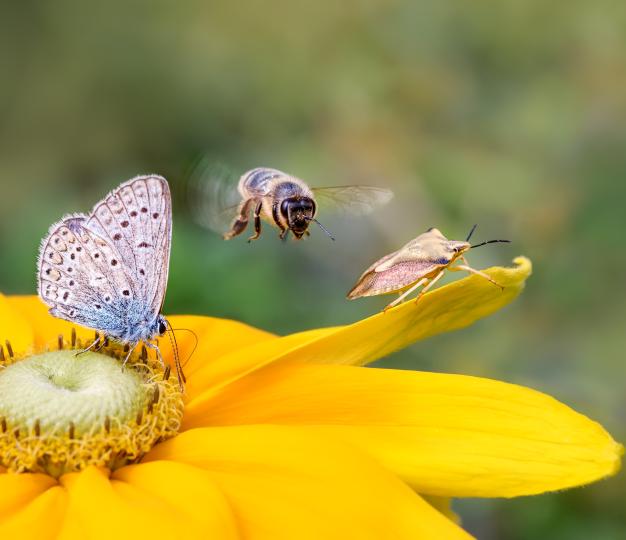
(471, 270)
(179, 368)
(94, 346)
(130, 351)
(241, 221)
(405, 294)
(257, 222)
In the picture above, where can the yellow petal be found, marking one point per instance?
(190, 492)
(46, 328)
(32, 508)
(103, 508)
(447, 308)
(215, 338)
(18, 490)
(14, 327)
(448, 435)
(285, 483)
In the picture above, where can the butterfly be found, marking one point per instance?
(108, 269)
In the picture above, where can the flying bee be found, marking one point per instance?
(420, 262)
(281, 199)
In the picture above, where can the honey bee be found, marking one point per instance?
(284, 201)
(419, 263)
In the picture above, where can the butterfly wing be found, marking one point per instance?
(108, 270)
(355, 200)
(136, 221)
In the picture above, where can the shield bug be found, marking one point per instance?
(420, 262)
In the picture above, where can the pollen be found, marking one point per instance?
(61, 411)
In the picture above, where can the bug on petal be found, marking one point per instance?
(419, 263)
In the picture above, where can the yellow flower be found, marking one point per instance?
(287, 437)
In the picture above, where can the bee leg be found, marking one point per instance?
(241, 221)
(478, 273)
(283, 234)
(405, 294)
(257, 222)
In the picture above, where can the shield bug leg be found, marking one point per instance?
(429, 285)
(405, 294)
(477, 272)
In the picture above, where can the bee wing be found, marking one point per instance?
(356, 200)
(212, 195)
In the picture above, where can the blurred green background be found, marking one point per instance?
(507, 114)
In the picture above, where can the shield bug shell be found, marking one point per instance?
(420, 262)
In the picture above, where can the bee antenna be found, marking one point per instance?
(490, 242)
(471, 232)
(321, 227)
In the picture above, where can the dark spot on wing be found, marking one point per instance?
(155, 215)
(71, 282)
(79, 248)
(117, 236)
(142, 272)
(124, 223)
(143, 209)
(113, 262)
(65, 295)
(144, 245)
(125, 292)
(98, 306)
(70, 269)
(96, 255)
(72, 256)
(133, 214)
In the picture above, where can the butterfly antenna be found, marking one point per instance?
(491, 242)
(321, 227)
(471, 232)
(179, 370)
(195, 344)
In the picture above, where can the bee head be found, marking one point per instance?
(298, 213)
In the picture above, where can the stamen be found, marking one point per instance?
(134, 409)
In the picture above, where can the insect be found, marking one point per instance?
(283, 200)
(420, 262)
(107, 270)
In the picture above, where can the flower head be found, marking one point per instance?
(288, 437)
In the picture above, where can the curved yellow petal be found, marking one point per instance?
(286, 483)
(449, 435)
(14, 327)
(39, 519)
(46, 328)
(447, 308)
(18, 490)
(191, 493)
(103, 508)
(210, 337)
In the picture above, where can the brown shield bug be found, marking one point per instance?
(420, 262)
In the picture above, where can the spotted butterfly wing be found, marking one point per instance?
(108, 270)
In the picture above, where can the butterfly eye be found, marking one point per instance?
(162, 328)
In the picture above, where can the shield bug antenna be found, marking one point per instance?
(419, 263)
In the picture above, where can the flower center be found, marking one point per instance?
(61, 411)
